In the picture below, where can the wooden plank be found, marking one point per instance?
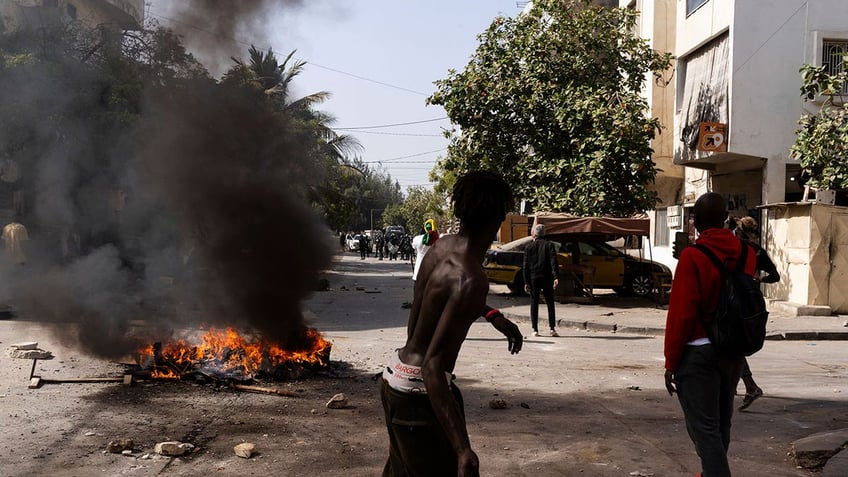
(83, 380)
(260, 389)
(128, 379)
(34, 382)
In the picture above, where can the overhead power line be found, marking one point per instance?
(396, 124)
(335, 70)
(406, 157)
(358, 131)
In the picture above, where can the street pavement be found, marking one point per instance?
(590, 402)
(609, 312)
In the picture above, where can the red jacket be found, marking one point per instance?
(695, 289)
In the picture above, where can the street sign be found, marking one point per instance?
(712, 137)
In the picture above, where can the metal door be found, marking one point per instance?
(838, 283)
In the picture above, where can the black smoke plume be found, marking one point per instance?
(193, 212)
(218, 29)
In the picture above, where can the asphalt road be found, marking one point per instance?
(587, 403)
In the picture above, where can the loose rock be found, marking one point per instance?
(497, 404)
(245, 450)
(119, 445)
(339, 401)
(172, 448)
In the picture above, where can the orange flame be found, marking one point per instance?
(232, 353)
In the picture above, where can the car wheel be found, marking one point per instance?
(517, 285)
(641, 285)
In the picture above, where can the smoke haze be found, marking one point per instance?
(215, 30)
(196, 216)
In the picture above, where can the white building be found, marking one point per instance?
(738, 69)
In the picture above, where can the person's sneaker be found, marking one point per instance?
(554, 333)
(535, 333)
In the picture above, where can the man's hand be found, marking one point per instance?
(509, 329)
(670, 383)
(556, 283)
(526, 288)
(467, 464)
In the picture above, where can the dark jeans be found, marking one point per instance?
(545, 286)
(418, 446)
(706, 386)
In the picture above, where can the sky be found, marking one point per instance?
(377, 58)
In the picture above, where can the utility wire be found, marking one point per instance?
(396, 124)
(387, 133)
(405, 157)
(363, 78)
(770, 37)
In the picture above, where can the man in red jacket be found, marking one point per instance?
(704, 380)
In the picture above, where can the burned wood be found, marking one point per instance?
(264, 390)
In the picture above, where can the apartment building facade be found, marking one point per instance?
(736, 110)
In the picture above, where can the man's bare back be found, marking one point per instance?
(423, 406)
(449, 296)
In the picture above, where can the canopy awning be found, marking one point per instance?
(561, 223)
(723, 162)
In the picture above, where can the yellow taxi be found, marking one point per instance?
(611, 268)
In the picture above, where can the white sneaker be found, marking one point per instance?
(554, 333)
(535, 333)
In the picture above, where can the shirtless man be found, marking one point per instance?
(423, 407)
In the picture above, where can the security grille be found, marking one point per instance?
(833, 59)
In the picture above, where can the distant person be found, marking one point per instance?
(379, 244)
(541, 277)
(747, 229)
(342, 241)
(422, 243)
(704, 380)
(363, 245)
(423, 407)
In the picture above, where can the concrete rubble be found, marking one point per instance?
(813, 452)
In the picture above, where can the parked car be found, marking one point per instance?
(353, 243)
(613, 269)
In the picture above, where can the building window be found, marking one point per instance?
(661, 228)
(833, 59)
(692, 5)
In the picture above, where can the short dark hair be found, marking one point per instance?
(481, 198)
(710, 211)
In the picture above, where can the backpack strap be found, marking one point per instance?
(740, 262)
(709, 253)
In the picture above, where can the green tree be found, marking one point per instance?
(418, 205)
(821, 142)
(551, 99)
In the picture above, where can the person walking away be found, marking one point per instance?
(422, 243)
(541, 277)
(423, 407)
(705, 381)
(747, 229)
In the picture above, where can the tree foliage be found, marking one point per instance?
(821, 142)
(551, 99)
(418, 205)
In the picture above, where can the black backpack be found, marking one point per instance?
(739, 325)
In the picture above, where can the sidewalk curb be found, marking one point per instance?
(660, 331)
